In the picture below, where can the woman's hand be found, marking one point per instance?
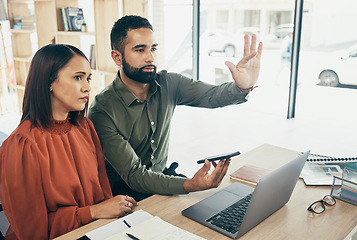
(115, 207)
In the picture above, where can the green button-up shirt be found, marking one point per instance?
(135, 134)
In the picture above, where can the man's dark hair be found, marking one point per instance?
(122, 26)
(44, 68)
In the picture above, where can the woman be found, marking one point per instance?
(52, 173)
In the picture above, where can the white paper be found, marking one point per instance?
(118, 226)
(157, 229)
(320, 173)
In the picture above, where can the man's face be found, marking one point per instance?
(139, 57)
(145, 74)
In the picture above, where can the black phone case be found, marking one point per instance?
(219, 157)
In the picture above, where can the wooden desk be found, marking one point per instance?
(292, 221)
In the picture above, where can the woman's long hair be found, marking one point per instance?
(44, 68)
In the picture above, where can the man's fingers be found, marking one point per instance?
(230, 66)
(260, 50)
(206, 166)
(224, 170)
(246, 45)
(214, 164)
(215, 176)
(253, 43)
(221, 173)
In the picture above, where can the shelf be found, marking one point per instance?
(49, 29)
(20, 87)
(21, 1)
(74, 33)
(28, 1)
(23, 31)
(105, 72)
(23, 59)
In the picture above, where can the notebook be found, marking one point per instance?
(320, 169)
(327, 159)
(249, 174)
(254, 204)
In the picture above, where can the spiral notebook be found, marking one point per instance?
(321, 158)
(320, 169)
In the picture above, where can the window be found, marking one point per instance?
(172, 22)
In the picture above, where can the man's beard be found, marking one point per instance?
(137, 74)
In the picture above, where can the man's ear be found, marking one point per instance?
(117, 57)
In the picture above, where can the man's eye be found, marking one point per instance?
(89, 79)
(153, 49)
(140, 50)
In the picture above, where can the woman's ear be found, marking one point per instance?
(117, 57)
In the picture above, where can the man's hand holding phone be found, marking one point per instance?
(202, 180)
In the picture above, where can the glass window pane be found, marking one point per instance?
(326, 93)
(223, 25)
(172, 22)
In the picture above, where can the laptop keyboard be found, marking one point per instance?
(231, 218)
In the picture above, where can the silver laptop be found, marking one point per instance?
(238, 208)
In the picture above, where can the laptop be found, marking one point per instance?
(245, 205)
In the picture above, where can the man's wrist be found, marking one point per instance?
(246, 90)
(187, 185)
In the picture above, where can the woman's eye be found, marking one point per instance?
(78, 77)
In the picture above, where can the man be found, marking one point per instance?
(133, 114)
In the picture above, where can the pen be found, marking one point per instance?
(132, 237)
(127, 224)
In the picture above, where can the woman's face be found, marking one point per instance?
(70, 91)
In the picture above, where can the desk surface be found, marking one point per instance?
(292, 221)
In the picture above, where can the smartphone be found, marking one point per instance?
(219, 157)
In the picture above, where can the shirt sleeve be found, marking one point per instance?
(103, 178)
(21, 190)
(196, 93)
(119, 153)
(24, 199)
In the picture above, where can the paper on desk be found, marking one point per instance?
(320, 173)
(118, 226)
(157, 229)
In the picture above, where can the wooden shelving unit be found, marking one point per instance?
(49, 29)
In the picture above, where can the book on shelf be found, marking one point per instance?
(249, 174)
(72, 18)
(28, 22)
(17, 23)
(64, 19)
(92, 57)
(320, 169)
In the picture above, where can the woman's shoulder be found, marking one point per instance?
(85, 122)
(24, 130)
(86, 125)
(23, 136)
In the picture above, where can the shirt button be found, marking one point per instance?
(152, 123)
(152, 141)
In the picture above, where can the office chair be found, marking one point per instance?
(1, 236)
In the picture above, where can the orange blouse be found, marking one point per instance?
(49, 178)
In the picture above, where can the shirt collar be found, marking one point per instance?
(127, 96)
